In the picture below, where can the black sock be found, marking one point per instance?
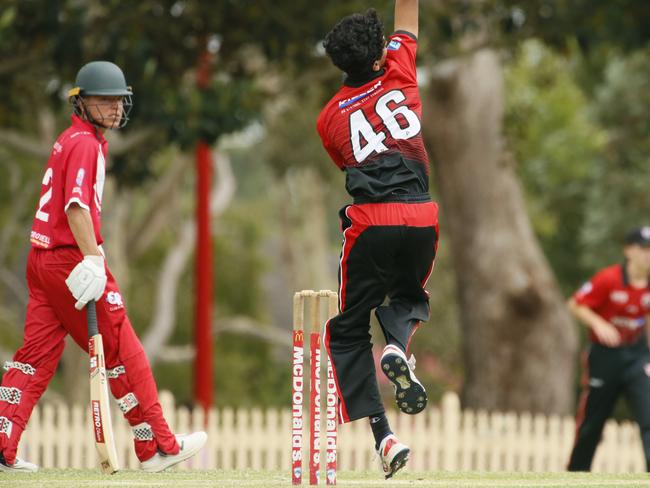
(391, 339)
(380, 428)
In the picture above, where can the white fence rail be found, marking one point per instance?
(441, 438)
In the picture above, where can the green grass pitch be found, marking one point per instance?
(54, 478)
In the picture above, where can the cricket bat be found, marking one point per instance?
(99, 406)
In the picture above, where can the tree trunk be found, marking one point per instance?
(519, 342)
(307, 232)
(164, 313)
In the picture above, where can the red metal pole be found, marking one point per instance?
(203, 362)
(203, 365)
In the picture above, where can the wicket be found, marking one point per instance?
(300, 300)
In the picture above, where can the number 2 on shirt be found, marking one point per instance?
(361, 130)
(47, 179)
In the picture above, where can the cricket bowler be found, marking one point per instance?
(372, 130)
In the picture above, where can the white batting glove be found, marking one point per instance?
(87, 280)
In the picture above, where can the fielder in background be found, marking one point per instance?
(615, 307)
(371, 129)
(66, 269)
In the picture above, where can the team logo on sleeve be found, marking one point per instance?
(78, 181)
(80, 176)
(394, 45)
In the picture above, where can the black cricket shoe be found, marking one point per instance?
(410, 395)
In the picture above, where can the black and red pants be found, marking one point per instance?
(388, 251)
(609, 373)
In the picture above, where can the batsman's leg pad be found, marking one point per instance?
(23, 384)
(132, 382)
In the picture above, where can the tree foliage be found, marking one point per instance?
(557, 145)
(618, 196)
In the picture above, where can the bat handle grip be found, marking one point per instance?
(92, 319)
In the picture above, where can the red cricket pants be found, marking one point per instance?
(50, 317)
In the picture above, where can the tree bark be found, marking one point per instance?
(518, 340)
(308, 233)
(164, 314)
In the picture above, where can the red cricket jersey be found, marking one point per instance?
(374, 131)
(610, 295)
(75, 172)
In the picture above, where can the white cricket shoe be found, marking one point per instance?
(19, 466)
(410, 395)
(190, 445)
(392, 454)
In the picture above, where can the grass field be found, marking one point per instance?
(55, 478)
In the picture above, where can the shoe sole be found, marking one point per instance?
(410, 395)
(398, 462)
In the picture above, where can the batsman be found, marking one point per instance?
(66, 269)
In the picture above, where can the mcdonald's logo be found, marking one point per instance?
(298, 335)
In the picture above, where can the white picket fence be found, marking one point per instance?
(441, 438)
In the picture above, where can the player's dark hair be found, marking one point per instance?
(356, 42)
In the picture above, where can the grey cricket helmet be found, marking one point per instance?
(101, 78)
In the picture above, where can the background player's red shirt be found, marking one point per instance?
(610, 295)
(75, 172)
(374, 131)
